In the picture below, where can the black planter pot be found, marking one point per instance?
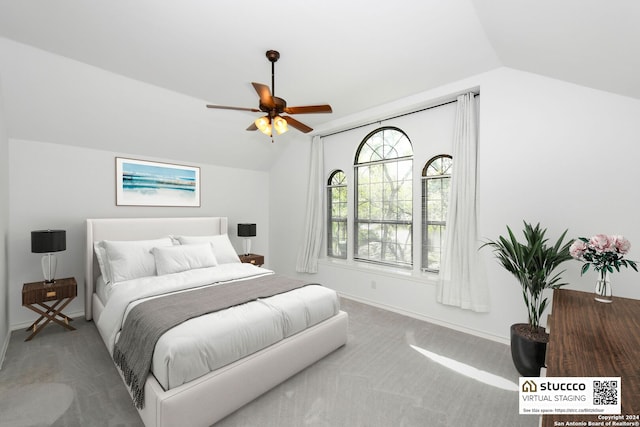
(527, 353)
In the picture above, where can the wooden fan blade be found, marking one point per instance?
(308, 109)
(253, 127)
(296, 124)
(224, 107)
(265, 95)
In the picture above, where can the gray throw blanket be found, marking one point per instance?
(147, 321)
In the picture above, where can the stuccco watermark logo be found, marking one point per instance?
(531, 386)
(569, 395)
(528, 386)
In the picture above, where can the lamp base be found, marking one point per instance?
(247, 246)
(49, 265)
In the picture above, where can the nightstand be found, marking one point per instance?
(59, 294)
(252, 259)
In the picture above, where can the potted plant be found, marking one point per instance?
(533, 263)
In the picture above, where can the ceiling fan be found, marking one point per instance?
(274, 106)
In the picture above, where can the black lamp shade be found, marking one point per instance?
(246, 230)
(46, 241)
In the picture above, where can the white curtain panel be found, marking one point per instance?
(462, 279)
(314, 223)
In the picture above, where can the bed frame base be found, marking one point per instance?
(206, 400)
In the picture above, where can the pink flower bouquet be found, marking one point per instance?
(605, 253)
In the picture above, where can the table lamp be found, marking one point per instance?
(47, 242)
(246, 231)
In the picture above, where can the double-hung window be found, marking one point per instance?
(436, 179)
(384, 198)
(337, 215)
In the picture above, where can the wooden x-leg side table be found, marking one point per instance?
(36, 295)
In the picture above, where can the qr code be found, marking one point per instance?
(605, 392)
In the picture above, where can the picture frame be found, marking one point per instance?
(147, 183)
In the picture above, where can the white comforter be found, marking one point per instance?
(206, 343)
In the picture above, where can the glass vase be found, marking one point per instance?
(603, 288)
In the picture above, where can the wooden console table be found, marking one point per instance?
(592, 339)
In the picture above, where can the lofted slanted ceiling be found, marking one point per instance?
(134, 76)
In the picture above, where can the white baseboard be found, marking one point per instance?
(496, 338)
(3, 350)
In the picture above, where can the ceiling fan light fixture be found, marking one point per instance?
(273, 106)
(264, 125)
(266, 130)
(280, 125)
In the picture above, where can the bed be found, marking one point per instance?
(208, 397)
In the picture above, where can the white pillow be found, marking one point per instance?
(103, 262)
(174, 259)
(132, 259)
(222, 247)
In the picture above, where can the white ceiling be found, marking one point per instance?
(353, 54)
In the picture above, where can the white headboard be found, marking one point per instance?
(139, 229)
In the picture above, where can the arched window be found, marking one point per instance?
(436, 179)
(384, 197)
(337, 215)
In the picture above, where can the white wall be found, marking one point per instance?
(550, 152)
(52, 98)
(4, 227)
(59, 186)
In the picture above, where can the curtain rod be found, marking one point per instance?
(394, 117)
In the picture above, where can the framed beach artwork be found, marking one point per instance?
(143, 183)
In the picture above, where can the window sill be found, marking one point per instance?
(425, 277)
